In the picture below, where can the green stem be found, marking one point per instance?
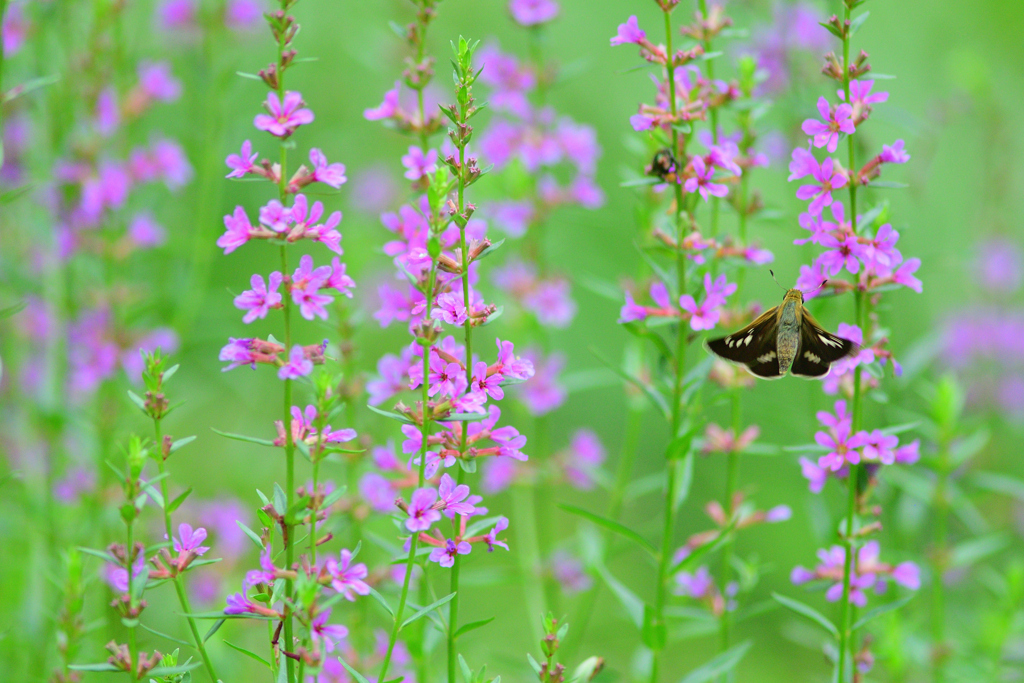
(133, 650)
(665, 554)
(940, 556)
(178, 581)
(528, 556)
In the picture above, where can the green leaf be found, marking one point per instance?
(253, 536)
(965, 449)
(247, 653)
(633, 605)
(137, 400)
(429, 608)
(182, 442)
(12, 309)
(391, 415)
(472, 626)
(999, 483)
(857, 21)
(280, 499)
(221, 615)
(533, 663)
(684, 478)
(463, 417)
(380, 598)
(490, 250)
(27, 87)
(176, 503)
(975, 549)
(699, 552)
(104, 666)
(809, 612)
(242, 437)
(888, 184)
(254, 77)
(650, 392)
(360, 678)
(638, 182)
(719, 665)
(213, 629)
(612, 526)
(879, 611)
(161, 671)
(165, 636)
(467, 673)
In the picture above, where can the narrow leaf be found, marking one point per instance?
(165, 636)
(249, 654)
(360, 678)
(243, 437)
(176, 503)
(472, 626)
(633, 605)
(612, 526)
(380, 598)
(429, 608)
(253, 536)
(719, 665)
(391, 415)
(650, 392)
(880, 610)
(809, 612)
(213, 629)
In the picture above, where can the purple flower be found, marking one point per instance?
(585, 455)
(629, 33)
(696, 585)
(491, 537)
(450, 308)
(387, 109)
(421, 511)
(176, 14)
(904, 275)
(498, 474)
(828, 179)
(878, 447)
(568, 571)
(844, 252)
(242, 15)
(631, 311)
(156, 81)
(999, 264)
(445, 556)
(418, 164)
(170, 163)
(239, 230)
(894, 154)
(297, 366)
(347, 578)
(258, 300)
(842, 446)
(702, 181)
(239, 603)
(238, 352)
(146, 232)
(815, 476)
(827, 134)
(907, 574)
(328, 633)
(285, 116)
(860, 94)
(705, 316)
(241, 163)
(543, 393)
(328, 174)
(551, 303)
(76, 482)
(532, 12)
(512, 366)
(190, 540)
(452, 496)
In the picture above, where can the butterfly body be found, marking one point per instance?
(785, 339)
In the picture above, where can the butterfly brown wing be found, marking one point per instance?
(753, 346)
(819, 348)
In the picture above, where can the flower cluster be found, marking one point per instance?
(868, 573)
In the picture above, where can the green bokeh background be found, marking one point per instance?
(960, 72)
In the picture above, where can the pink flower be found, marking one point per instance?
(452, 496)
(895, 153)
(532, 12)
(347, 578)
(285, 116)
(239, 229)
(702, 181)
(828, 179)
(860, 94)
(843, 447)
(491, 537)
(242, 163)
(445, 555)
(188, 540)
(835, 122)
(629, 33)
(328, 174)
(450, 308)
(297, 366)
(421, 511)
(387, 109)
(419, 164)
(260, 299)
(156, 81)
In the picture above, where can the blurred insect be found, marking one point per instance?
(663, 165)
(785, 339)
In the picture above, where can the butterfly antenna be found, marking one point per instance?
(823, 283)
(772, 273)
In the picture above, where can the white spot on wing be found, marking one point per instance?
(811, 357)
(766, 357)
(749, 338)
(829, 341)
(729, 342)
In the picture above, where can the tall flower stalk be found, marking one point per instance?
(865, 247)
